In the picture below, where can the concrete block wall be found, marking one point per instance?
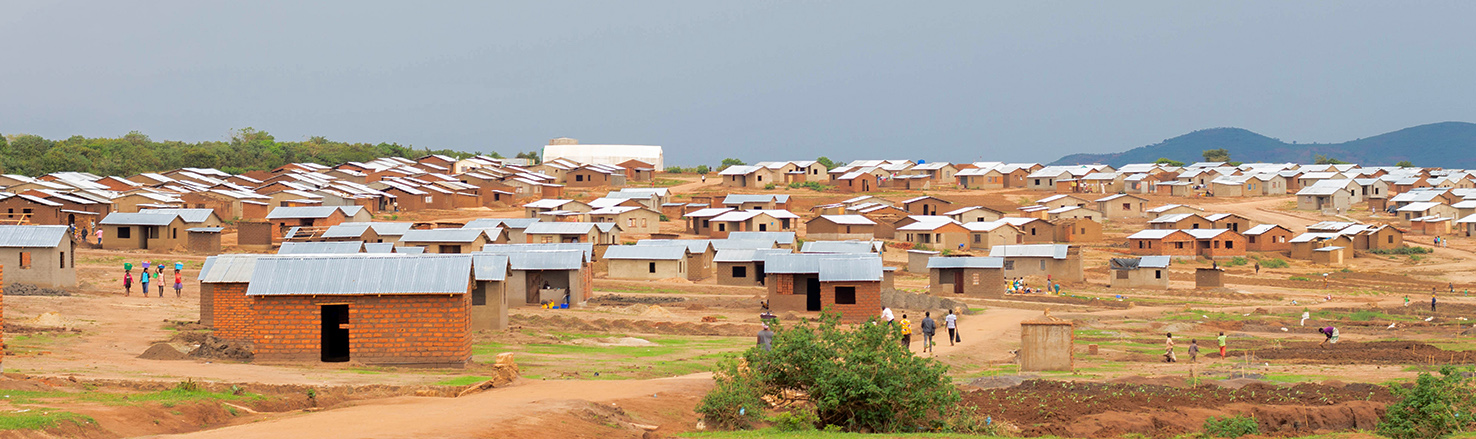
(410, 330)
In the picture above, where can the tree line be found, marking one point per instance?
(247, 150)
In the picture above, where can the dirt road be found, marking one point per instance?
(529, 403)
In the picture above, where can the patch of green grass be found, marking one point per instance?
(817, 434)
(668, 356)
(462, 381)
(1301, 278)
(39, 419)
(173, 396)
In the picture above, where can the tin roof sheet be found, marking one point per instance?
(854, 247)
(448, 235)
(851, 270)
(507, 223)
(138, 219)
(360, 274)
(783, 238)
(1053, 251)
(323, 247)
(379, 247)
(205, 229)
(646, 252)
(32, 236)
(489, 267)
(587, 249)
(544, 259)
(966, 262)
(228, 268)
(189, 215)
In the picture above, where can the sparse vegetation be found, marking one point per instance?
(1433, 407)
(1274, 263)
(1231, 426)
(1406, 250)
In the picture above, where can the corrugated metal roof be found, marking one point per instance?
(783, 238)
(205, 229)
(410, 250)
(138, 219)
(379, 247)
(489, 267)
(293, 212)
(966, 262)
(1154, 261)
(746, 254)
(721, 244)
(32, 236)
(541, 228)
(189, 215)
(447, 235)
(354, 230)
(319, 248)
(545, 259)
(1054, 251)
(646, 252)
(360, 274)
(693, 245)
(854, 220)
(850, 270)
(509, 223)
(840, 247)
(584, 247)
(228, 268)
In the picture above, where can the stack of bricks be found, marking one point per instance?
(411, 330)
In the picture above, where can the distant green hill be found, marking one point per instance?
(1445, 144)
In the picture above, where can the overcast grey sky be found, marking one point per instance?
(956, 81)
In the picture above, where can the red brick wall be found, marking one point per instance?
(868, 300)
(2, 319)
(420, 330)
(230, 311)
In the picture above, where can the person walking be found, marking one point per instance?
(98, 232)
(178, 284)
(929, 327)
(128, 283)
(1221, 339)
(159, 277)
(886, 314)
(906, 333)
(143, 280)
(1406, 301)
(1432, 303)
(1332, 336)
(766, 338)
(1258, 267)
(1168, 353)
(951, 322)
(1193, 351)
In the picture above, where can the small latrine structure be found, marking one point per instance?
(1045, 343)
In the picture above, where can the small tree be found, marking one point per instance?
(1168, 161)
(825, 161)
(1325, 160)
(731, 162)
(1405, 164)
(703, 169)
(1432, 408)
(1217, 155)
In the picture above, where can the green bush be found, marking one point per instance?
(736, 402)
(1236, 262)
(1432, 408)
(811, 185)
(1274, 263)
(858, 376)
(1231, 426)
(769, 187)
(1406, 250)
(799, 419)
(1301, 278)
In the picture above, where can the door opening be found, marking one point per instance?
(335, 333)
(812, 294)
(958, 281)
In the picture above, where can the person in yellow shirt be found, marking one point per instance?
(906, 333)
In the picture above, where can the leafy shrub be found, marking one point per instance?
(1432, 408)
(1301, 278)
(1416, 258)
(1274, 263)
(811, 185)
(1406, 250)
(967, 420)
(858, 376)
(1231, 426)
(799, 419)
(736, 402)
(769, 187)
(1236, 262)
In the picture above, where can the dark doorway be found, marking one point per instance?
(335, 333)
(958, 280)
(812, 294)
(758, 272)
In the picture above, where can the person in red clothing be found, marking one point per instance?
(178, 283)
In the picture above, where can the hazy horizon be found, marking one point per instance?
(753, 80)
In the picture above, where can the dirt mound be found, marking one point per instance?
(163, 351)
(20, 289)
(618, 299)
(1375, 352)
(656, 311)
(216, 348)
(16, 328)
(1075, 409)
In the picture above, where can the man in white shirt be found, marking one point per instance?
(951, 321)
(886, 314)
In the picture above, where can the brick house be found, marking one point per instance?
(700, 254)
(158, 229)
(1063, 200)
(1073, 212)
(40, 255)
(631, 219)
(1167, 242)
(970, 276)
(1172, 209)
(1060, 261)
(537, 276)
(1144, 272)
(532, 209)
(636, 170)
(861, 180)
(840, 228)
(452, 241)
(595, 175)
(648, 262)
(742, 266)
(372, 309)
(1122, 206)
(1033, 230)
(747, 176)
(1078, 230)
(1218, 243)
(974, 214)
(574, 232)
(939, 232)
(699, 222)
(1180, 221)
(286, 218)
(1268, 238)
(849, 284)
(1304, 244)
(1231, 221)
(752, 221)
(756, 201)
(986, 235)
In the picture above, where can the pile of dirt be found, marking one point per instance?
(1078, 409)
(20, 289)
(1374, 352)
(216, 348)
(16, 328)
(617, 299)
(163, 351)
(656, 311)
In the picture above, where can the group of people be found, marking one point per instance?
(1018, 286)
(1170, 357)
(81, 234)
(1441, 241)
(157, 278)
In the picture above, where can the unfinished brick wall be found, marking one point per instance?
(405, 330)
(868, 300)
(231, 312)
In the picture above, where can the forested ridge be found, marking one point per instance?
(248, 149)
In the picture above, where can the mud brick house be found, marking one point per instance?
(1268, 238)
(1304, 244)
(756, 202)
(390, 310)
(938, 232)
(636, 170)
(631, 219)
(489, 295)
(1466, 226)
(38, 255)
(1078, 230)
(747, 176)
(970, 276)
(751, 221)
(595, 175)
(1374, 237)
(1072, 212)
(1060, 261)
(1218, 243)
(515, 227)
(840, 228)
(1234, 222)
(1059, 201)
(849, 284)
(1122, 206)
(452, 240)
(1168, 242)
(926, 205)
(574, 232)
(865, 179)
(546, 276)
(223, 304)
(1144, 272)
(45, 207)
(229, 203)
(1033, 230)
(286, 218)
(974, 214)
(742, 266)
(159, 230)
(784, 240)
(699, 222)
(1424, 209)
(203, 240)
(985, 235)
(648, 262)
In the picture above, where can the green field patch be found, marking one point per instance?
(462, 381)
(40, 419)
(773, 433)
(666, 356)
